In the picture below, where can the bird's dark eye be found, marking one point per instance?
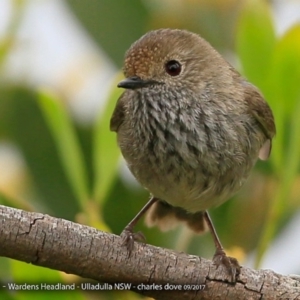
(173, 67)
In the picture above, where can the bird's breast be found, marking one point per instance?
(185, 155)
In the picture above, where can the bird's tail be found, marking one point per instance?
(167, 217)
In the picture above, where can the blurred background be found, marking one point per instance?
(60, 62)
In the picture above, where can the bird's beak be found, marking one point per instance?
(135, 82)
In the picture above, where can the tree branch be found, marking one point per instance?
(73, 248)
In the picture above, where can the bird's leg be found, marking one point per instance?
(127, 235)
(220, 258)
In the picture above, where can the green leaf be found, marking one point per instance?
(49, 295)
(36, 275)
(7, 295)
(23, 272)
(8, 41)
(284, 90)
(108, 21)
(67, 143)
(5, 268)
(285, 70)
(106, 152)
(255, 41)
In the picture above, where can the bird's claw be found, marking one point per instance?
(128, 238)
(229, 263)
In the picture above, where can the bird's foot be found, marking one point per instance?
(129, 237)
(229, 263)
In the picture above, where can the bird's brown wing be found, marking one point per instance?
(117, 117)
(261, 111)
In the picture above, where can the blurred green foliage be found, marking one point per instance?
(63, 132)
(105, 19)
(274, 65)
(73, 169)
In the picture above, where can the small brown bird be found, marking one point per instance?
(190, 128)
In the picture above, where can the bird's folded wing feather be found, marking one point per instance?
(261, 111)
(118, 114)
